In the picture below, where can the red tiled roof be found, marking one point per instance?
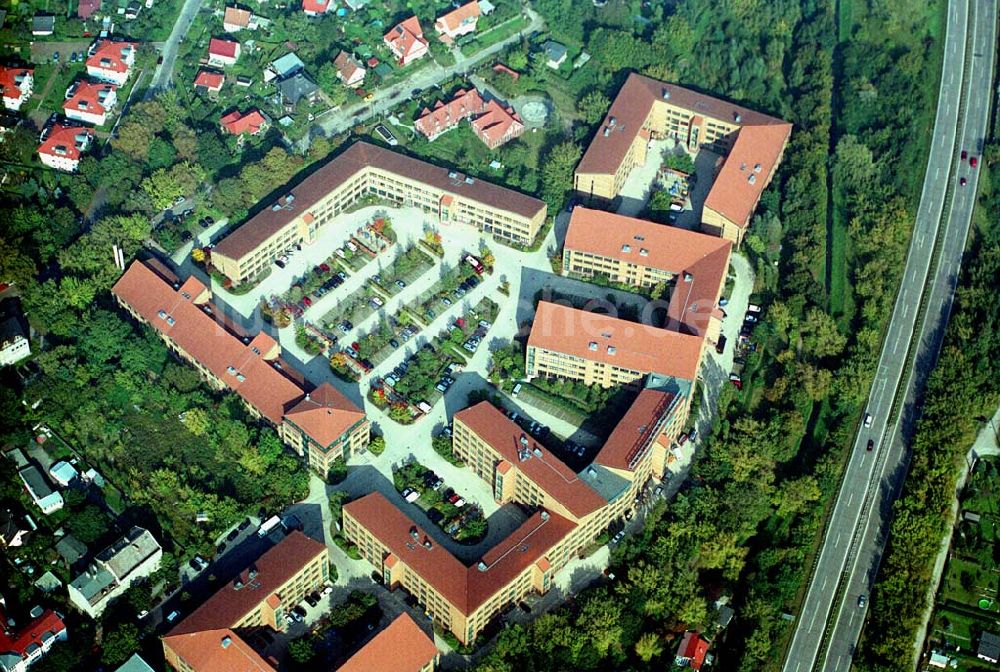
(10, 79)
(237, 123)
(315, 6)
(63, 140)
(110, 55)
(224, 48)
(235, 16)
(541, 467)
(405, 37)
(700, 261)
(346, 65)
(216, 348)
(453, 20)
(638, 347)
(746, 171)
(463, 105)
(693, 648)
(635, 431)
(86, 8)
(219, 650)
(89, 97)
(401, 647)
(500, 67)
(496, 122)
(274, 568)
(35, 633)
(325, 414)
(464, 587)
(209, 79)
(356, 158)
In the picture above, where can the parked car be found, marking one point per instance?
(400, 284)
(312, 599)
(306, 300)
(351, 352)
(173, 615)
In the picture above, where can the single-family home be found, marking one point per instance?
(63, 144)
(209, 81)
(14, 529)
(63, 473)
(236, 19)
(71, 550)
(222, 53)
(111, 61)
(134, 556)
(691, 651)
(251, 123)
(16, 84)
(87, 8)
(286, 66)
(497, 125)
(444, 116)
(555, 54)
(296, 88)
(43, 24)
(989, 647)
(349, 71)
(41, 491)
(20, 648)
(458, 22)
(14, 343)
(406, 41)
(317, 7)
(90, 102)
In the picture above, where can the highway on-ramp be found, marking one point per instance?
(848, 528)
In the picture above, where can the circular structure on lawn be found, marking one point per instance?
(535, 112)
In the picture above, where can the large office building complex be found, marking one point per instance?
(320, 424)
(646, 110)
(365, 170)
(211, 639)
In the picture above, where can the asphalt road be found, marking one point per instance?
(164, 71)
(852, 539)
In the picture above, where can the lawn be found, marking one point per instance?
(967, 581)
(486, 39)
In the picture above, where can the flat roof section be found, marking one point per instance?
(602, 338)
(358, 157)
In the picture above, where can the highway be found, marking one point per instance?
(853, 540)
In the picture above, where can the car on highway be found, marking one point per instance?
(973, 161)
(962, 182)
(868, 420)
(871, 445)
(862, 601)
(965, 155)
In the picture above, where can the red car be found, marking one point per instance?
(307, 301)
(355, 345)
(974, 161)
(965, 155)
(325, 268)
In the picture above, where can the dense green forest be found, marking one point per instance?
(750, 521)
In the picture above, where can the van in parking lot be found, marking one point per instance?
(517, 390)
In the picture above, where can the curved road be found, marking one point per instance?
(852, 541)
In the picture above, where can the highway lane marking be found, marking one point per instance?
(906, 309)
(849, 500)
(837, 543)
(825, 579)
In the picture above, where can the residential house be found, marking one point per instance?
(63, 473)
(43, 25)
(989, 647)
(133, 557)
(502, 69)
(209, 81)
(90, 102)
(317, 7)
(406, 41)
(135, 664)
(63, 144)
(132, 10)
(458, 22)
(691, 651)
(14, 529)
(283, 67)
(14, 343)
(402, 647)
(222, 53)
(16, 85)
(296, 88)
(87, 8)
(20, 648)
(71, 550)
(236, 19)
(497, 125)
(445, 116)
(111, 61)
(349, 71)
(251, 123)
(555, 54)
(41, 491)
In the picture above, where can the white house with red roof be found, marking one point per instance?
(458, 22)
(90, 102)
(16, 84)
(19, 648)
(111, 61)
(63, 144)
(223, 52)
(406, 41)
(236, 19)
(497, 125)
(209, 81)
(251, 123)
(349, 71)
(317, 7)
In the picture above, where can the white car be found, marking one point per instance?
(868, 420)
